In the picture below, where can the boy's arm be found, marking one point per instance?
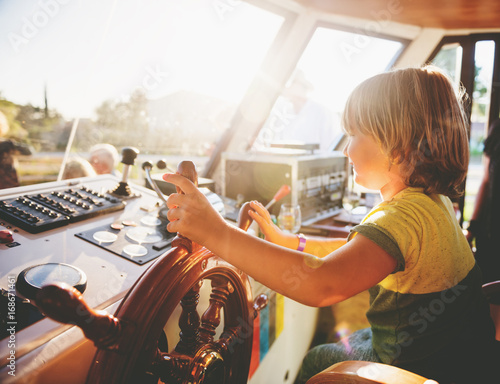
(352, 268)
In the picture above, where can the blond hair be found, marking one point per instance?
(418, 119)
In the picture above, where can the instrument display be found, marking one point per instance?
(317, 181)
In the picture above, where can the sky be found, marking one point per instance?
(88, 51)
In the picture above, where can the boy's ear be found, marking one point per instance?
(397, 157)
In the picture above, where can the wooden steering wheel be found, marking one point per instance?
(132, 347)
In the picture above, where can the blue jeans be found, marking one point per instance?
(358, 346)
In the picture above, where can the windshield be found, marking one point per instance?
(308, 111)
(83, 79)
(162, 76)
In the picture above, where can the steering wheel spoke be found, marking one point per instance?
(233, 337)
(189, 321)
(210, 320)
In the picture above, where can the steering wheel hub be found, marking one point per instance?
(208, 367)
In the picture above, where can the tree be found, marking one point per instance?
(43, 130)
(10, 110)
(31, 124)
(124, 122)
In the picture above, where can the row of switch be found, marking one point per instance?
(26, 216)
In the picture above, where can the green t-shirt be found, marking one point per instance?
(434, 294)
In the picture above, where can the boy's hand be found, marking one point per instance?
(191, 214)
(270, 230)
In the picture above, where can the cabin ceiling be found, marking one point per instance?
(447, 14)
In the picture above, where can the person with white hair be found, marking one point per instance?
(77, 167)
(104, 159)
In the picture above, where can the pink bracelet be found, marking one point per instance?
(302, 242)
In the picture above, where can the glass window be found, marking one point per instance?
(449, 58)
(162, 76)
(481, 96)
(309, 108)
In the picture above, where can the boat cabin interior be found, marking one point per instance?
(244, 98)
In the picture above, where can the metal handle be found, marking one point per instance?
(147, 166)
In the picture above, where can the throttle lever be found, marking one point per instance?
(185, 168)
(129, 154)
(148, 166)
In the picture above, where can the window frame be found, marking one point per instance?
(268, 70)
(467, 78)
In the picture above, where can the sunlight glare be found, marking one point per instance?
(94, 51)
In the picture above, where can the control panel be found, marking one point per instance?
(76, 223)
(317, 181)
(40, 212)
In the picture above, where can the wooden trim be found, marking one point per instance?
(446, 14)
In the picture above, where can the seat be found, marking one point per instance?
(365, 372)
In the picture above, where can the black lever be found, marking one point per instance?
(148, 166)
(129, 154)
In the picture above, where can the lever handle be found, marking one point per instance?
(129, 155)
(65, 304)
(161, 164)
(282, 192)
(147, 166)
